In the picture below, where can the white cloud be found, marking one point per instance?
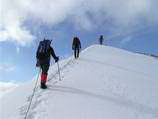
(84, 14)
(6, 87)
(12, 23)
(7, 68)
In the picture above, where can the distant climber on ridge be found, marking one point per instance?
(76, 46)
(43, 54)
(101, 39)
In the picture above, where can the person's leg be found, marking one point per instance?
(75, 54)
(45, 68)
(78, 51)
(100, 42)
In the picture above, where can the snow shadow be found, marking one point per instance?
(113, 99)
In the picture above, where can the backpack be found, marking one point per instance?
(43, 49)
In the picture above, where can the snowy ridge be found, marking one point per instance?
(104, 83)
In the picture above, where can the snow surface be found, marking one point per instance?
(104, 83)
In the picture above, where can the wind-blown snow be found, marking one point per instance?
(104, 83)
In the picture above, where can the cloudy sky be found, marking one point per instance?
(127, 24)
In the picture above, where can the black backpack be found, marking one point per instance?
(43, 49)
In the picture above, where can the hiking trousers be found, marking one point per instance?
(76, 52)
(45, 68)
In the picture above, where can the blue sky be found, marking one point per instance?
(132, 26)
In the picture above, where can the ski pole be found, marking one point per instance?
(59, 72)
(27, 111)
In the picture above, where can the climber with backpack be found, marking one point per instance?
(43, 54)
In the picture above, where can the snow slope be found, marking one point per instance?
(104, 83)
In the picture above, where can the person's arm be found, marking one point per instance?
(53, 54)
(37, 56)
(73, 45)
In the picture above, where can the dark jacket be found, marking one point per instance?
(46, 60)
(76, 43)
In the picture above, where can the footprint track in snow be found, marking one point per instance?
(39, 96)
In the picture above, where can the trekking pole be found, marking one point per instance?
(59, 72)
(29, 106)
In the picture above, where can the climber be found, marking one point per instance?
(43, 54)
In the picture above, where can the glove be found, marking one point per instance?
(56, 59)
